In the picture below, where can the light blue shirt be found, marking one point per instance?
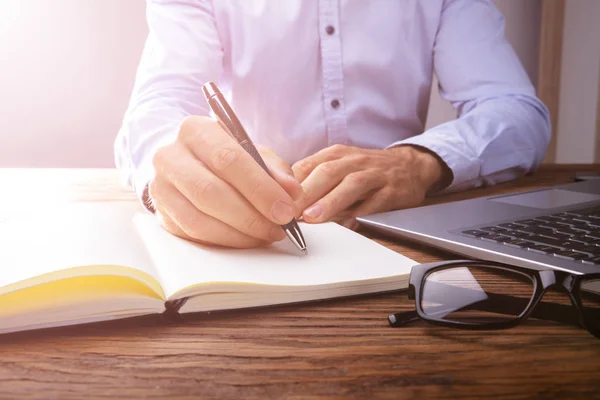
(304, 75)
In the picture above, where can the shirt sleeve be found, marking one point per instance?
(503, 129)
(181, 53)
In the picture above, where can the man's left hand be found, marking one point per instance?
(341, 182)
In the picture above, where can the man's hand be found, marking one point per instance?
(207, 188)
(341, 183)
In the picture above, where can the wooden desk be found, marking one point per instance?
(333, 349)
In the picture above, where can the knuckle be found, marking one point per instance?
(191, 128)
(194, 122)
(358, 179)
(251, 223)
(360, 159)
(332, 205)
(338, 149)
(328, 169)
(224, 158)
(388, 199)
(255, 191)
(160, 158)
(304, 167)
(187, 127)
(203, 190)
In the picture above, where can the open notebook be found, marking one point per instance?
(102, 261)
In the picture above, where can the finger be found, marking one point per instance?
(181, 218)
(343, 216)
(167, 223)
(230, 162)
(349, 223)
(303, 168)
(354, 187)
(216, 198)
(282, 173)
(386, 200)
(323, 179)
(346, 219)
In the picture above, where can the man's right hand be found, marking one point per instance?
(208, 189)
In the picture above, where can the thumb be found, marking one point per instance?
(281, 172)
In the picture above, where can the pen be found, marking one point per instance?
(230, 121)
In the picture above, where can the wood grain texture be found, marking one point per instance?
(597, 153)
(549, 64)
(331, 349)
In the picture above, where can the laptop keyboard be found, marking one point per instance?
(572, 235)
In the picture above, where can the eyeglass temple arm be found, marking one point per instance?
(501, 304)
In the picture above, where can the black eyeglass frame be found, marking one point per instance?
(542, 281)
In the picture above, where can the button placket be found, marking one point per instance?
(332, 71)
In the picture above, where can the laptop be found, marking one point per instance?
(556, 227)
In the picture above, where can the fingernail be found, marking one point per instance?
(277, 233)
(282, 212)
(290, 175)
(292, 178)
(284, 173)
(314, 212)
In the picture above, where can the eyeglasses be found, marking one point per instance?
(483, 295)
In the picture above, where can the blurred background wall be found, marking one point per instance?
(66, 72)
(67, 68)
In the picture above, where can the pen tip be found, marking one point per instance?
(305, 252)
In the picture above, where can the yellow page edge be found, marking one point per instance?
(87, 271)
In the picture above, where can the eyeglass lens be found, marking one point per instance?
(476, 294)
(590, 301)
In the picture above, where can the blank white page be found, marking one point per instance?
(335, 255)
(78, 235)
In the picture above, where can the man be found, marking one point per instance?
(338, 90)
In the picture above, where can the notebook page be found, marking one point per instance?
(56, 239)
(335, 255)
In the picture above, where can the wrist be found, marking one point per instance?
(432, 172)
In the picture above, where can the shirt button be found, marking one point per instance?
(330, 30)
(335, 103)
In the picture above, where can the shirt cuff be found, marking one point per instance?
(452, 150)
